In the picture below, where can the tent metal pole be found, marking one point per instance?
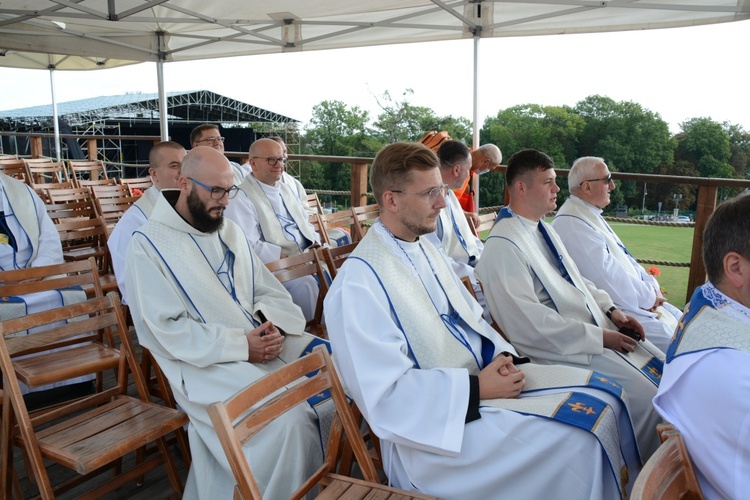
(163, 125)
(55, 123)
(475, 142)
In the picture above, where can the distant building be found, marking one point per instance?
(138, 114)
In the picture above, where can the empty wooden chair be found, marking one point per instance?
(486, 221)
(15, 168)
(97, 182)
(88, 435)
(365, 218)
(311, 375)
(335, 257)
(139, 184)
(299, 266)
(109, 191)
(314, 203)
(113, 208)
(82, 238)
(69, 203)
(339, 227)
(41, 189)
(668, 473)
(75, 194)
(87, 170)
(47, 172)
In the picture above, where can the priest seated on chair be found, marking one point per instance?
(273, 218)
(705, 391)
(28, 238)
(216, 320)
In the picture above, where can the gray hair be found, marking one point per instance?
(583, 168)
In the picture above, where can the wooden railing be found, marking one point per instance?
(706, 199)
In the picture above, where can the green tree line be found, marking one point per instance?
(628, 136)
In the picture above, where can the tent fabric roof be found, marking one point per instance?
(91, 34)
(203, 106)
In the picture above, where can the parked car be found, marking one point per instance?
(683, 218)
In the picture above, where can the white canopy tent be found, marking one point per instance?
(94, 34)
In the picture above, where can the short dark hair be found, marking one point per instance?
(197, 131)
(393, 164)
(452, 152)
(525, 161)
(727, 230)
(155, 153)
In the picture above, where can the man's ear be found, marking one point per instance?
(389, 202)
(182, 183)
(735, 268)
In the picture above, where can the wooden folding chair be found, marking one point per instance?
(668, 473)
(140, 183)
(365, 218)
(317, 225)
(97, 182)
(65, 204)
(90, 434)
(111, 202)
(335, 257)
(82, 238)
(47, 172)
(41, 189)
(314, 203)
(486, 221)
(310, 375)
(299, 266)
(343, 220)
(16, 169)
(87, 170)
(68, 195)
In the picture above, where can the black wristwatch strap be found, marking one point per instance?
(609, 312)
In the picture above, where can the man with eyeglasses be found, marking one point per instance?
(200, 297)
(208, 134)
(165, 161)
(601, 256)
(274, 221)
(551, 313)
(452, 402)
(453, 233)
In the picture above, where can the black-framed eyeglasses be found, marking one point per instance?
(213, 140)
(432, 195)
(273, 160)
(218, 193)
(607, 180)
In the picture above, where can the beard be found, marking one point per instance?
(202, 219)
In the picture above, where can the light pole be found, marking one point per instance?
(643, 207)
(677, 198)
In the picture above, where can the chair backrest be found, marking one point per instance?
(97, 182)
(82, 274)
(15, 168)
(300, 265)
(69, 195)
(343, 220)
(47, 172)
(41, 189)
(88, 170)
(486, 221)
(317, 225)
(314, 203)
(83, 238)
(365, 217)
(112, 209)
(668, 473)
(311, 374)
(336, 256)
(38, 161)
(109, 191)
(139, 183)
(59, 212)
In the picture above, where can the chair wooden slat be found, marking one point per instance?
(15, 168)
(315, 371)
(47, 172)
(486, 221)
(335, 257)
(365, 217)
(140, 183)
(86, 170)
(668, 473)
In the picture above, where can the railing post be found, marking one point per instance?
(35, 144)
(705, 207)
(359, 184)
(91, 149)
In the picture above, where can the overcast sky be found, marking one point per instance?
(679, 73)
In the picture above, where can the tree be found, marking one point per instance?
(705, 144)
(336, 130)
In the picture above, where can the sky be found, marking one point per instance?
(679, 73)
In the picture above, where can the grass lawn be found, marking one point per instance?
(661, 243)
